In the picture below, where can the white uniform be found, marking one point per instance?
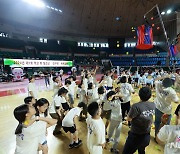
(96, 135)
(56, 102)
(109, 81)
(71, 88)
(171, 136)
(126, 89)
(27, 142)
(32, 87)
(92, 94)
(164, 97)
(55, 88)
(68, 120)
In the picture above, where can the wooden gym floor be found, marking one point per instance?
(57, 145)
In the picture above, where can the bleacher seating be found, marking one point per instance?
(122, 61)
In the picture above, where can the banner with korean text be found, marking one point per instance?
(37, 63)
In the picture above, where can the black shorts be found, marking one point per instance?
(65, 106)
(69, 129)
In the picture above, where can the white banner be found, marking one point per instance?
(37, 63)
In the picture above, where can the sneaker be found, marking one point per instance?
(115, 151)
(77, 144)
(71, 146)
(56, 133)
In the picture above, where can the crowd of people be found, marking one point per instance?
(106, 100)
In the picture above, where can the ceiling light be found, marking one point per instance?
(60, 10)
(56, 9)
(37, 3)
(163, 13)
(48, 7)
(152, 18)
(52, 8)
(169, 11)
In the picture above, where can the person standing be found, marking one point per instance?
(46, 78)
(57, 84)
(96, 129)
(32, 89)
(165, 94)
(141, 117)
(126, 90)
(116, 120)
(61, 73)
(69, 124)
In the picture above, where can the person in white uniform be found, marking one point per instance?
(116, 120)
(29, 129)
(69, 125)
(165, 95)
(32, 89)
(170, 136)
(96, 129)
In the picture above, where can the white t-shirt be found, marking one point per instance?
(91, 79)
(82, 95)
(126, 89)
(92, 94)
(55, 88)
(27, 142)
(85, 83)
(164, 97)
(171, 136)
(72, 88)
(96, 135)
(101, 98)
(32, 87)
(109, 81)
(56, 102)
(68, 120)
(42, 138)
(116, 113)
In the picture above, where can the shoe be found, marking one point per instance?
(56, 133)
(71, 146)
(115, 151)
(77, 144)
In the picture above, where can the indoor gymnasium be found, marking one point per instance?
(90, 76)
